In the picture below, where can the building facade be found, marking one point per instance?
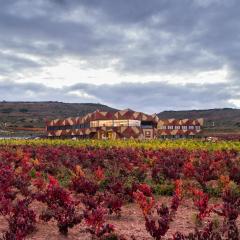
(121, 124)
(175, 128)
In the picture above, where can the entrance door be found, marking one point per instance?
(111, 135)
(148, 133)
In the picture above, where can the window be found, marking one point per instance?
(134, 123)
(191, 127)
(120, 123)
(86, 125)
(147, 134)
(50, 128)
(105, 123)
(198, 127)
(94, 124)
(80, 126)
(170, 127)
(184, 127)
(177, 127)
(68, 127)
(115, 123)
(55, 128)
(147, 124)
(163, 127)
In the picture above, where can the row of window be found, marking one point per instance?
(115, 123)
(68, 127)
(100, 123)
(180, 127)
(118, 123)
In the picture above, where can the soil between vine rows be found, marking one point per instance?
(130, 223)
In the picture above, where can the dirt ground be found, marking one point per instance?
(130, 223)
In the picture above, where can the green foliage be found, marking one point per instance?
(214, 191)
(102, 185)
(130, 180)
(160, 179)
(235, 189)
(139, 175)
(32, 173)
(166, 189)
(64, 176)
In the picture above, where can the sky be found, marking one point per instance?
(149, 56)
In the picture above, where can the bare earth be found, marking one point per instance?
(130, 223)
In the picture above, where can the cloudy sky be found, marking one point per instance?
(149, 55)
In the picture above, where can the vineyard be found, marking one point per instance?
(119, 190)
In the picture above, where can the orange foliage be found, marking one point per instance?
(146, 203)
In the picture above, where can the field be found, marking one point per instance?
(119, 190)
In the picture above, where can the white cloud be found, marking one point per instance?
(71, 71)
(173, 45)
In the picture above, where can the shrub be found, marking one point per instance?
(60, 206)
(96, 223)
(83, 185)
(21, 220)
(166, 189)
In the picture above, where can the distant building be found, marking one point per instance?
(121, 124)
(175, 128)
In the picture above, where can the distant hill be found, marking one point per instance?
(19, 117)
(34, 114)
(224, 119)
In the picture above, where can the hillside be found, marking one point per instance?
(25, 115)
(222, 120)
(17, 118)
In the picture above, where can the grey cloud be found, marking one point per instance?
(176, 36)
(146, 37)
(156, 96)
(10, 63)
(150, 97)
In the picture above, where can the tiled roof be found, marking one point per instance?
(97, 115)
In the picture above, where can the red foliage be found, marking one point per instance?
(113, 203)
(207, 233)
(177, 197)
(52, 181)
(21, 220)
(99, 174)
(145, 189)
(200, 200)
(96, 222)
(111, 177)
(157, 226)
(60, 206)
(145, 203)
(81, 184)
(39, 182)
